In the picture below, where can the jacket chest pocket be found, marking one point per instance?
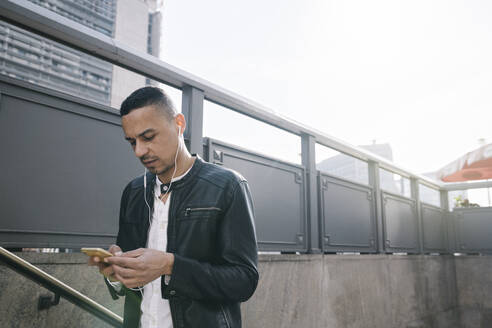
(200, 213)
(197, 230)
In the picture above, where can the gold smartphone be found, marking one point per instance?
(102, 253)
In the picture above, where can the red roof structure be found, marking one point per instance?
(475, 165)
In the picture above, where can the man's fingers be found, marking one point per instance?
(115, 250)
(127, 262)
(106, 270)
(101, 266)
(128, 282)
(134, 253)
(125, 272)
(93, 260)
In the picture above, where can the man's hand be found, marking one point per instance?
(105, 268)
(141, 266)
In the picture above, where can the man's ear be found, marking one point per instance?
(180, 123)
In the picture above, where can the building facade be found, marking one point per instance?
(35, 59)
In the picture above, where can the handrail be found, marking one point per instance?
(59, 288)
(467, 185)
(56, 27)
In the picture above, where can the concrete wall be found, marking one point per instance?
(474, 281)
(355, 291)
(296, 291)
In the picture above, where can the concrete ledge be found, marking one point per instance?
(312, 290)
(474, 283)
(354, 291)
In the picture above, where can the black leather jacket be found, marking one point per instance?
(211, 233)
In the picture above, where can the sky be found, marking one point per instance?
(415, 74)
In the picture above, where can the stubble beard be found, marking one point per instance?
(164, 171)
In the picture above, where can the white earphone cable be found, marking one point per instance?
(116, 284)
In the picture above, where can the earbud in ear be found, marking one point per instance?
(179, 130)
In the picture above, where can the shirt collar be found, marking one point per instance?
(188, 176)
(166, 186)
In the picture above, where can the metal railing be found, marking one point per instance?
(53, 26)
(59, 288)
(196, 90)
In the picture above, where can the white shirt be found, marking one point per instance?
(156, 312)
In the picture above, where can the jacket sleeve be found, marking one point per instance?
(114, 293)
(236, 278)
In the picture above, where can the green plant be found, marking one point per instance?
(459, 202)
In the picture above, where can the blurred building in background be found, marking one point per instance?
(28, 57)
(354, 169)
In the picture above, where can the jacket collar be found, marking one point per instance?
(183, 181)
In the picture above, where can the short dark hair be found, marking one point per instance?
(148, 96)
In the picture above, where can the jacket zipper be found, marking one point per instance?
(225, 316)
(189, 209)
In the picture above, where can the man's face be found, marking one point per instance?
(153, 138)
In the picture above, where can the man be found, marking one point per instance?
(186, 251)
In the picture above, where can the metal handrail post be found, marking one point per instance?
(450, 224)
(192, 109)
(374, 182)
(314, 231)
(415, 191)
(444, 196)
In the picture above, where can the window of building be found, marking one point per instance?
(429, 195)
(341, 165)
(394, 183)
